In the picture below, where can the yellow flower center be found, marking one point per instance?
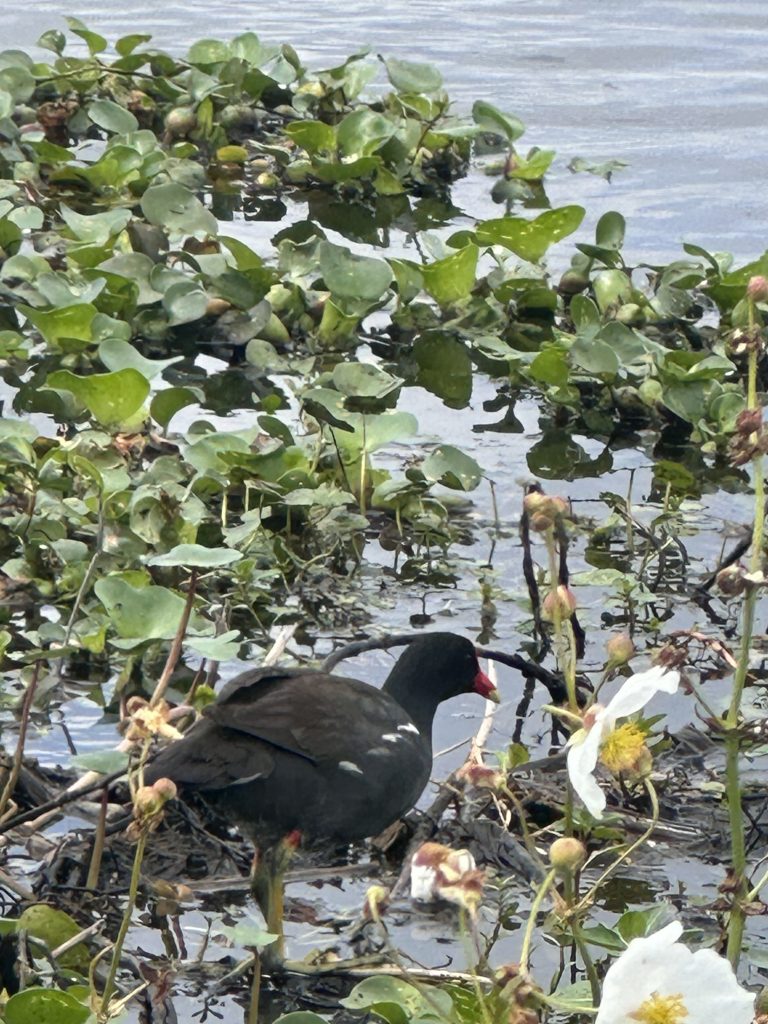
(660, 1010)
(624, 750)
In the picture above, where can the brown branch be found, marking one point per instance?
(18, 756)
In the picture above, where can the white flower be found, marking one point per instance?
(599, 722)
(658, 980)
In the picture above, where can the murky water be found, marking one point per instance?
(677, 89)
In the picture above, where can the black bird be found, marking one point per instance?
(292, 754)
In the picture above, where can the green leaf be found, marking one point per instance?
(349, 276)
(491, 119)
(112, 117)
(68, 328)
(609, 233)
(179, 211)
(248, 935)
(168, 402)
(364, 380)
(54, 927)
(52, 40)
(530, 239)
(143, 613)
(452, 278)
(363, 132)
(312, 136)
(196, 556)
(94, 42)
(452, 468)
(45, 1006)
(111, 398)
(385, 994)
(121, 355)
(407, 76)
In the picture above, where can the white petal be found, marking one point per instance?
(639, 689)
(583, 751)
(703, 981)
(423, 882)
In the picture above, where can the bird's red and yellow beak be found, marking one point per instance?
(484, 686)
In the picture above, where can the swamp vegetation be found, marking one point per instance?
(253, 359)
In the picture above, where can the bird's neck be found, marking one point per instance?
(413, 700)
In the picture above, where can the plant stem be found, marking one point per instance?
(175, 651)
(585, 900)
(18, 756)
(737, 916)
(109, 987)
(525, 951)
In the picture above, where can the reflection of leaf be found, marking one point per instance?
(445, 368)
(558, 457)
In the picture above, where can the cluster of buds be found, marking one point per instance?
(148, 805)
(734, 580)
(750, 439)
(146, 721)
(559, 604)
(544, 511)
(440, 873)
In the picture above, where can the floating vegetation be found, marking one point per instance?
(230, 286)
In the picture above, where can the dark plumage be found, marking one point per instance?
(332, 757)
(286, 751)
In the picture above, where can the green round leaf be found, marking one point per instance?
(179, 211)
(453, 468)
(196, 556)
(111, 398)
(45, 1006)
(112, 117)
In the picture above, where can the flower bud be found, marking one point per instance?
(567, 855)
(620, 649)
(559, 603)
(757, 288)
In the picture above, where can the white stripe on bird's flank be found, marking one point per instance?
(350, 766)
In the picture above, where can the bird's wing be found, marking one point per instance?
(211, 757)
(294, 714)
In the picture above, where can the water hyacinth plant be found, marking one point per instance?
(219, 441)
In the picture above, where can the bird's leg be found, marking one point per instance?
(267, 884)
